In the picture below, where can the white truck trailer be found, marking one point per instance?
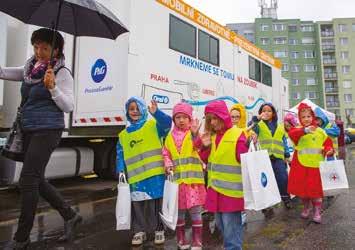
(172, 52)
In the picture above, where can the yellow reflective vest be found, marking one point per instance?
(272, 143)
(334, 140)
(310, 148)
(224, 171)
(142, 152)
(188, 167)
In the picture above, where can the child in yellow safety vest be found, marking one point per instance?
(312, 144)
(272, 138)
(181, 157)
(239, 119)
(139, 157)
(221, 147)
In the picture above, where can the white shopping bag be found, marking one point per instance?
(333, 175)
(169, 213)
(123, 204)
(259, 183)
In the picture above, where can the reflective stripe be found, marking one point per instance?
(146, 167)
(140, 157)
(184, 161)
(224, 168)
(271, 141)
(310, 151)
(189, 174)
(276, 151)
(227, 185)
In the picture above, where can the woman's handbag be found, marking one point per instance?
(14, 148)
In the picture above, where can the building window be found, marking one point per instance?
(353, 25)
(309, 54)
(266, 75)
(280, 40)
(310, 68)
(344, 55)
(292, 41)
(345, 69)
(260, 72)
(264, 27)
(296, 96)
(295, 68)
(307, 28)
(248, 34)
(295, 82)
(208, 48)
(264, 40)
(284, 67)
(308, 40)
(182, 36)
(311, 95)
(349, 112)
(292, 28)
(311, 81)
(348, 97)
(344, 41)
(294, 54)
(254, 69)
(280, 54)
(278, 27)
(347, 84)
(342, 27)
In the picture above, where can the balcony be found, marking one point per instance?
(330, 76)
(332, 104)
(327, 33)
(331, 90)
(331, 61)
(328, 47)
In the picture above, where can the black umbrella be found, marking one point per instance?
(76, 17)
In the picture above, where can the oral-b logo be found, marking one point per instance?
(98, 71)
(161, 99)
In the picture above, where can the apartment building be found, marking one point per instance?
(337, 46)
(318, 58)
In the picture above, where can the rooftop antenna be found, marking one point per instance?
(268, 11)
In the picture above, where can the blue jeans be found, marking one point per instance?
(230, 225)
(281, 175)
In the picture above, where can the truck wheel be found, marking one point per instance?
(105, 161)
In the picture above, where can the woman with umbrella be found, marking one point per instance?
(47, 92)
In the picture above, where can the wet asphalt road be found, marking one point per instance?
(95, 200)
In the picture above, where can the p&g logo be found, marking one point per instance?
(98, 70)
(263, 179)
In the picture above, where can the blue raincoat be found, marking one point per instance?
(334, 130)
(151, 188)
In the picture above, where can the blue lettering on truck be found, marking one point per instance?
(98, 71)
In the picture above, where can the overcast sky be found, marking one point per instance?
(241, 11)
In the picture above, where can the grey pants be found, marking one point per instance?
(145, 216)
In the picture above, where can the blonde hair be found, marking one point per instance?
(208, 127)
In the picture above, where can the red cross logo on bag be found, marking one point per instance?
(334, 176)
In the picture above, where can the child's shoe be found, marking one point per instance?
(139, 238)
(181, 241)
(159, 237)
(317, 218)
(196, 238)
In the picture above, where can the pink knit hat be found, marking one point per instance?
(291, 119)
(183, 108)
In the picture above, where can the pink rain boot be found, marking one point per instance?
(180, 236)
(307, 208)
(196, 235)
(317, 217)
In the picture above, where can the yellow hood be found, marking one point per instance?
(243, 115)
